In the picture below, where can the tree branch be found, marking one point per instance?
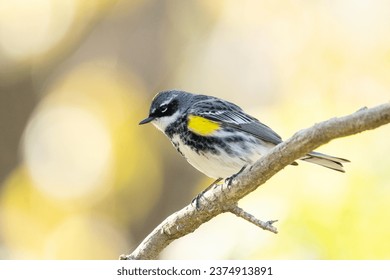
(268, 225)
(224, 197)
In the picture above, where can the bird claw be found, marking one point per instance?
(196, 200)
(199, 195)
(230, 179)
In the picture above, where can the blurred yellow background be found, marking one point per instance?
(81, 180)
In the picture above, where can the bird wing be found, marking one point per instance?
(231, 115)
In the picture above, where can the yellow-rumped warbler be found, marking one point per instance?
(216, 136)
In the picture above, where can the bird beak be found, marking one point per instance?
(147, 120)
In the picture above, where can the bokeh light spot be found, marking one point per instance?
(67, 152)
(31, 27)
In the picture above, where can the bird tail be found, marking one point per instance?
(327, 161)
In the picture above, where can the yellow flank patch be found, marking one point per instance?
(202, 126)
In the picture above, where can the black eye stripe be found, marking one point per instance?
(165, 109)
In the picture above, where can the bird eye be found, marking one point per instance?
(163, 108)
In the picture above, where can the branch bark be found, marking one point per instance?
(224, 197)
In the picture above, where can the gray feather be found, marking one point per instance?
(327, 161)
(230, 115)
